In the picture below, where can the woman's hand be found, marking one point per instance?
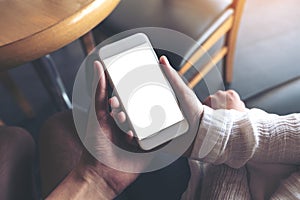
(225, 100)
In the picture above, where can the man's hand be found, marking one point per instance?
(225, 100)
(92, 179)
(101, 140)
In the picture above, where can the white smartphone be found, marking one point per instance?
(146, 96)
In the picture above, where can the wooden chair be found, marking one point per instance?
(207, 21)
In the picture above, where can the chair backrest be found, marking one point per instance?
(206, 21)
(226, 25)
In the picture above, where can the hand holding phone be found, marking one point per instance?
(144, 93)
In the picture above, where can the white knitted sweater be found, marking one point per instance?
(253, 155)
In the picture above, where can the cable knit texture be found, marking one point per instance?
(230, 139)
(224, 182)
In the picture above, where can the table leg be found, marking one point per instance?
(51, 79)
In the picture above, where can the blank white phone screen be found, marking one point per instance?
(143, 90)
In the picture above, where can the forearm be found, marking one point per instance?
(231, 137)
(278, 139)
(80, 184)
(217, 141)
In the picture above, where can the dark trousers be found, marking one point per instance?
(168, 183)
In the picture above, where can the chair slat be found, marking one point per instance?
(223, 28)
(215, 59)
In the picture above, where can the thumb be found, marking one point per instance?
(174, 78)
(187, 98)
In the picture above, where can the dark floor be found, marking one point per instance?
(268, 53)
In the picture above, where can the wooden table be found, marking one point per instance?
(31, 29)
